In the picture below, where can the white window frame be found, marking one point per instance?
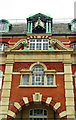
(1, 75)
(32, 78)
(36, 79)
(36, 41)
(73, 45)
(3, 26)
(27, 78)
(3, 46)
(38, 116)
(38, 71)
(50, 79)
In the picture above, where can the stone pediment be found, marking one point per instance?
(42, 16)
(59, 45)
(53, 42)
(17, 46)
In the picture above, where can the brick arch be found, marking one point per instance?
(38, 63)
(17, 107)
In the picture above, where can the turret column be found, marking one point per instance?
(31, 27)
(47, 27)
(28, 26)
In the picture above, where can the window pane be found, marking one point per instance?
(38, 75)
(50, 80)
(39, 40)
(5, 45)
(32, 40)
(38, 69)
(38, 114)
(45, 40)
(3, 26)
(73, 45)
(35, 112)
(38, 44)
(2, 46)
(45, 46)
(32, 46)
(37, 79)
(1, 73)
(30, 118)
(45, 118)
(45, 112)
(25, 80)
(31, 112)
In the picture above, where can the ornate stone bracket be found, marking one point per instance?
(58, 44)
(21, 42)
(52, 43)
(24, 43)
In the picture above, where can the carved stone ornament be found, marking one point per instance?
(21, 42)
(37, 97)
(60, 45)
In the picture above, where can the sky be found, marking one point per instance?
(22, 9)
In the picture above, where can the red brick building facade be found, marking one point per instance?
(38, 71)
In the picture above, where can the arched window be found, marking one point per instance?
(38, 75)
(1, 74)
(73, 45)
(3, 46)
(38, 114)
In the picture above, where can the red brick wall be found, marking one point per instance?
(72, 39)
(2, 67)
(55, 66)
(19, 66)
(18, 93)
(15, 39)
(73, 71)
(50, 66)
(4, 40)
(57, 93)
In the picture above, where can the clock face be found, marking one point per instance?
(3, 26)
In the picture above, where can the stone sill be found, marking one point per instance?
(21, 86)
(2, 52)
